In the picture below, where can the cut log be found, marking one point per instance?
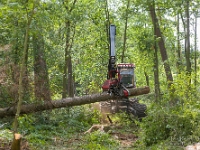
(67, 102)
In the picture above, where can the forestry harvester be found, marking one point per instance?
(120, 78)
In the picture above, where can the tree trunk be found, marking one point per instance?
(187, 40)
(22, 73)
(195, 52)
(146, 77)
(17, 109)
(156, 73)
(156, 68)
(64, 93)
(42, 90)
(107, 23)
(125, 30)
(70, 79)
(68, 83)
(67, 102)
(16, 60)
(161, 45)
(25, 81)
(179, 61)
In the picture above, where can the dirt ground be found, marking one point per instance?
(6, 145)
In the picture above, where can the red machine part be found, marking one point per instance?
(108, 83)
(125, 92)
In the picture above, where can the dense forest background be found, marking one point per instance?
(53, 49)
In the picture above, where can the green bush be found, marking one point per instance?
(172, 122)
(154, 127)
(100, 141)
(164, 124)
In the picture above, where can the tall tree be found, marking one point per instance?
(41, 79)
(68, 83)
(125, 30)
(161, 45)
(22, 73)
(107, 22)
(195, 48)
(178, 44)
(187, 37)
(156, 65)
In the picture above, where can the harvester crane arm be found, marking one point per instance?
(112, 70)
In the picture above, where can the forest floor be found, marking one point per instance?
(6, 145)
(125, 139)
(77, 129)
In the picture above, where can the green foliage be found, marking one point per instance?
(99, 141)
(172, 124)
(6, 134)
(40, 129)
(174, 121)
(168, 129)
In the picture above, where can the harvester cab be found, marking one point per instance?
(127, 75)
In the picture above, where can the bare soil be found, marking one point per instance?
(6, 145)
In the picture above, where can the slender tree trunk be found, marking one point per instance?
(15, 66)
(179, 61)
(161, 45)
(25, 81)
(16, 52)
(68, 83)
(70, 77)
(146, 77)
(156, 72)
(195, 53)
(156, 68)
(107, 23)
(187, 40)
(125, 30)
(187, 47)
(67, 72)
(22, 73)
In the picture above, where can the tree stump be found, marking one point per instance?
(16, 142)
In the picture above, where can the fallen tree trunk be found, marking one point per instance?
(75, 101)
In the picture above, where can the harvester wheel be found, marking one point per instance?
(137, 109)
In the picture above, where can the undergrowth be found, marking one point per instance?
(166, 127)
(58, 127)
(171, 124)
(98, 140)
